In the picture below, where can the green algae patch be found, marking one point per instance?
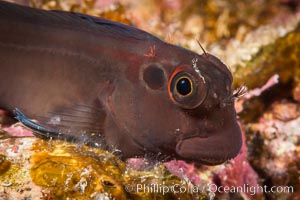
(81, 172)
(76, 172)
(14, 167)
(280, 57)
(13, 176)
(4, 164)
(159, 183)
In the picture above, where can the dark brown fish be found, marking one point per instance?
(90, 79)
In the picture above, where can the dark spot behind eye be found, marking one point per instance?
(154, 77)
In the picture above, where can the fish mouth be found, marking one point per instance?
(212, 150)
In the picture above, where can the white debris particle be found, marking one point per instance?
(83, 184)
(195, 67)
(55, 120)
(101, 196)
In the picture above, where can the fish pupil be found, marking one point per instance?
(183, 86)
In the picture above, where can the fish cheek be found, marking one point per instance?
(160, 122)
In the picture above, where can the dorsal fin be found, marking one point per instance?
(69, 20)
(115, 27)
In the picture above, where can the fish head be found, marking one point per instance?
(183, 109)
(209, 132)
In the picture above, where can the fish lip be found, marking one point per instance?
(191, 135)
(212, 161)
(212, 150)
(206, 160)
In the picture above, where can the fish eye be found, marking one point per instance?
(186, 87)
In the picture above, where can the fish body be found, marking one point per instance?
(94, 79)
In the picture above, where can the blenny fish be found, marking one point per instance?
(91, 80)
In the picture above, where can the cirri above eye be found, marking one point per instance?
(186, 87)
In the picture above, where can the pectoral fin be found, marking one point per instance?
(78, 123)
